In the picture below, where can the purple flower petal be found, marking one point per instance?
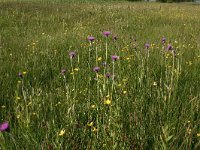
(96, 69)
(20, 75)
(169, 47)
(108, 75)
(4, 127)
(72, 54)
(114, 57)
(106, 33)
(91, 38)
(163, 40)
(147, 45)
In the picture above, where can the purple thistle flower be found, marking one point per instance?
(4, 127)
(147, 45)
(114, 57)
(169, 47)
(163, 40)
(91, 38)
(108, 75)
(63, 71)
(106, 33)
(72, 54)
(96, 69)
(20, 75)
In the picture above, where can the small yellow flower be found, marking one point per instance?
(93, 106)
(107, 102)
(154, 83)
(18, 116)
(125, 80)
(24, 72)
(76, 69)
(198, 134)
(90, 124)
(119, 85)
(124, 92)
(18, 98)
(99, 59)
(94, 129)
(19, 82)
(62, 132)
(34, 114)
(100, 76)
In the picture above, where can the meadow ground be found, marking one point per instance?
(136, 88)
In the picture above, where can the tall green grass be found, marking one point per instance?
(151, 101)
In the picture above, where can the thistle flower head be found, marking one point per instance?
(163, 40)
(114, 57)
(147, 45)
(108, 75)
(63, 71)
(96, 69)
(169, 47)
(106, 33)
(20, 75)
(91, 38)
(4, 127)
(72, 54)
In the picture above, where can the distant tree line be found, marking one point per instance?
(165, 1)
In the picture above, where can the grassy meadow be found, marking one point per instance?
(136, 88)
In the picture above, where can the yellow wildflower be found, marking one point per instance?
(62, 132)
(154, 83)
(18, 98)
(76, 69)
(119, 85)
(90, 124)
(99, 59)
(124, 92)
(125, 80)
(19, 81)
(24, 72)
(100, 76)
(198, 134)
(107, 102)
(93, 106)
(94, 129)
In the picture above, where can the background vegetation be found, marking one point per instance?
(151, 101)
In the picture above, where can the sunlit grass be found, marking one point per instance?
(124, 90)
